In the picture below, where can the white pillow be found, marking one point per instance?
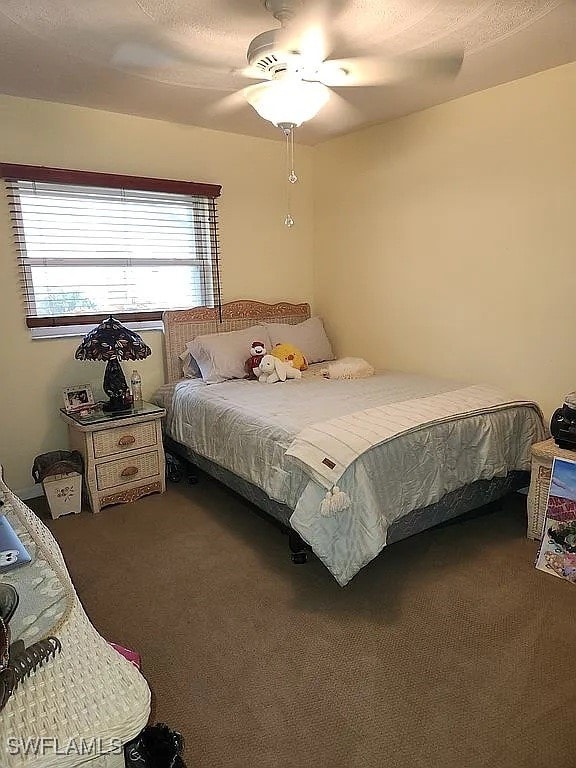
(309, 336)
(221, 356)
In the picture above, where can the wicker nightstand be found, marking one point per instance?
(543, 455)
(123, 453)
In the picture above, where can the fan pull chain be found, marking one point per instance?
(292, 178)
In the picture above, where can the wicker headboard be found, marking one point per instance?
(183, 325)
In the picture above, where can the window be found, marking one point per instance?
(92, 244)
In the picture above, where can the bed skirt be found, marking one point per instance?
(453, 504)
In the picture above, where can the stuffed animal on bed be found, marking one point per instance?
(257, 352)
(348, 368)
(290, 354)
(272, 370)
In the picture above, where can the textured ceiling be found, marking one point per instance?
(64, 50)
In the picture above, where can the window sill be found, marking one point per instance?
(64, 331)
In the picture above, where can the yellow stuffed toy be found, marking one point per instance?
(291, 355)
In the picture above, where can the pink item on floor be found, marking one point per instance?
(132, 656)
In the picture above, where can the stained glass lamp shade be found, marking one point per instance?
(112, 341)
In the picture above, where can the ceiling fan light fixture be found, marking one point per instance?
(288, 100)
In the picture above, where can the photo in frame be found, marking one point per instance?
(78, 398)
(557, 553)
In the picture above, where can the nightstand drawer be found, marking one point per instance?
(120, 439)
(129, 470)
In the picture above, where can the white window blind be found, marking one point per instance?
(87, 250)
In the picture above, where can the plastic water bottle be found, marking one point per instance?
(136, 387)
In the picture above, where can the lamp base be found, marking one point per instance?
(117, 404)
(116, 388)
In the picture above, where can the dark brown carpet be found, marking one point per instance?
(449, 650)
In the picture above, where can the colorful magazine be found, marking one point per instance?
(557, 553)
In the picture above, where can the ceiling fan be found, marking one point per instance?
(292, 62)
(295, 72)
(298, 75)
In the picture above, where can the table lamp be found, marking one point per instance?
(112, 341)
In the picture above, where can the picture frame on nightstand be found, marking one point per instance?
(78, 398)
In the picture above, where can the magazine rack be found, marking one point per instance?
(543, 455)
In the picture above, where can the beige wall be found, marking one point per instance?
(446, 240)
(261, 258)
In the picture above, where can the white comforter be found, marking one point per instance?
(248, 428)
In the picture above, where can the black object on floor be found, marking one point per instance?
(174, 471)
(177, 467)
(157, 746)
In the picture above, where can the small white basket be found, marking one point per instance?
(64, 493)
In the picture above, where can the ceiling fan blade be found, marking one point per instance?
(143, 56)
(140, 58)
(251, 73)
(337, 112)
(369, 70)
(308, 32)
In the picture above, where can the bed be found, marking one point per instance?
(426, 450)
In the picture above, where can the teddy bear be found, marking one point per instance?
(291, 355)
(257, 352)
(271, 370)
